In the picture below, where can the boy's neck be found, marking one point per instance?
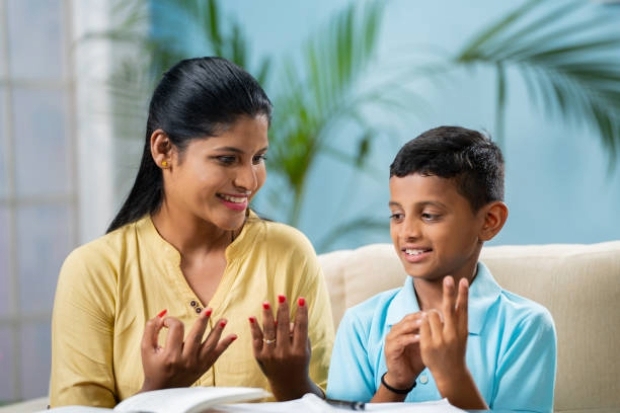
(430, 293)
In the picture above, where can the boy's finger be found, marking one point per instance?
(425, 332)
(462, 305)
(435, 326)
(448, 301)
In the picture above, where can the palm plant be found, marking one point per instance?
(337, 102)
(332, 70)
(326, 91)
(568, 55)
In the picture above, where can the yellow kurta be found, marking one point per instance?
(110, 287)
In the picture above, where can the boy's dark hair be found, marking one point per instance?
(466, 156)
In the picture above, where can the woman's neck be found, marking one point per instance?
(190, 236)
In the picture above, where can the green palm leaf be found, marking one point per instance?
(324, 101)
(569, 59)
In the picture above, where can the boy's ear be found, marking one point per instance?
(161, 148)
(495, 215)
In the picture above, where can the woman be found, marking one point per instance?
(145, 306)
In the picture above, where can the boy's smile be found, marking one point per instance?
(433, 228)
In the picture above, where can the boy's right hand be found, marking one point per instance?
(180, 362)
(444, 341)
(402, 352)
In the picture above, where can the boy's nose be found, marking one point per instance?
(410, 229)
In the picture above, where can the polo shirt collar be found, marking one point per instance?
(483, 292)
(404, 302)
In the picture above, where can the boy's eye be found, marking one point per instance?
(429, 217)
(397, 216)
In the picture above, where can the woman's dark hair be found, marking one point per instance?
(196, 98)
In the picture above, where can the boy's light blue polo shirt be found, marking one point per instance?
(511, 347)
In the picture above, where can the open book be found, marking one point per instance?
(177, 400)
(311, 403)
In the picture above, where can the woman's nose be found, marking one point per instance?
(246, 178)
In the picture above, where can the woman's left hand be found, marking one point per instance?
(282, 349)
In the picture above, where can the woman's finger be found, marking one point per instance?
(150, 337)
(283, 322)
(176, 331)
(300, 329)
(223, 344)
(269, 328)
(257, 335)
(193, 340)
(212, 340)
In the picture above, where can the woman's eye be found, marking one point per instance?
(259, 159)
(226, 160)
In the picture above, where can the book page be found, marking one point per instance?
(438, 406)
(187, 399)
(311, 403)
(77, 409)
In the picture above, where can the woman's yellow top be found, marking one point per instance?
(110, 287)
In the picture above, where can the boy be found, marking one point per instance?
(451, 331)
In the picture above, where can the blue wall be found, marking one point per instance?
(558, 187)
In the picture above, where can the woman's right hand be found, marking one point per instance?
(180, 363)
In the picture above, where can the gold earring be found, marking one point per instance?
(164, 164)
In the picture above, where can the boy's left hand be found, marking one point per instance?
(443, 344)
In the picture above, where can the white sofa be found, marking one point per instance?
(579, 284)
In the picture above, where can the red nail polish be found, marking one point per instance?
(162, 313)
(233, 338)
(208, 312)
(252, 320)
(281, 298)
(223, 323)
(266, 305)
(301, 301)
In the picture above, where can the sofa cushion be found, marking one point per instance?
(579, 284)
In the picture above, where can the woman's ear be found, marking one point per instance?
(161, 148)
(495, 215)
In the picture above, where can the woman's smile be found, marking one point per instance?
(234, 202)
